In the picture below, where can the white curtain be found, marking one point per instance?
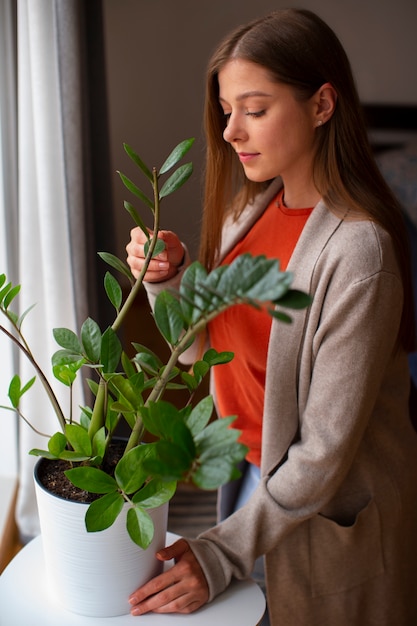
(44, 227)
(51, 192)
(8, 221)
(40, 229)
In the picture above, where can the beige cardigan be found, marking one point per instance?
(335, 512)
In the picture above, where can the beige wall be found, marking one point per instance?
(156, 55)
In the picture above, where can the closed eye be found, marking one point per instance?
(256, 113)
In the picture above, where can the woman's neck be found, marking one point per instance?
(300, 200)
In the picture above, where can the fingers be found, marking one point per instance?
(174, 248)
(174, 551)
(181, 589)
(160, 267)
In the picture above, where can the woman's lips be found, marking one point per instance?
(245, 157)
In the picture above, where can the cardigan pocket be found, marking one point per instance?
(343, 557)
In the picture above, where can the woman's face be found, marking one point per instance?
(272, 132)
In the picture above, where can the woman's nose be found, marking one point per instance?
(233, 131)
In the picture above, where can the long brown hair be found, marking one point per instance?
(299, 49)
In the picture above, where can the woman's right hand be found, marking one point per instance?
(161, 267)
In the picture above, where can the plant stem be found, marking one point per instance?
(98, 416)
(52, 397)
(35, 430)
(161, 384)
(138, 284)
(100, 405)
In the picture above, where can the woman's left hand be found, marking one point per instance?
(181, 589)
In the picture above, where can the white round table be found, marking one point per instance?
(24, 600)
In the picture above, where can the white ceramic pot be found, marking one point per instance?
(93, 574)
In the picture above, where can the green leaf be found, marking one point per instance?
(112, 418)
(176, 180)
(216, 435)
(295, 299)
(68, 339)
(57, 443)
(64, 357)
(93, 386)
(113, 290)
(138, 161)
(16, 390)
(67, 373)
(28, 385)
(91, 340)
(130, 473)
(176, 155)
(102, 513)
(136, 218)
(22, 317)
(10, 296)
(79, 439)
(4, 292)
(200, 415)
(200, 369)
(141, 349)
(257, 278)
(189, 381)
(85, 416)
(127, 365)
(43, 453)
(172, 463)
(99, 443)
(168, 317)
(246, 278)
(155, 493)
(216, 472)
(159, 247)
(281, 316)
(140, 527)
(192, 304)
(128, 413)
(212, 357)
(13, 317)
(74, 457)
(129, 391)
(164, 420)
(147, 363)
(130, 185)
(117, 264)
(111, 350)
(91, 479)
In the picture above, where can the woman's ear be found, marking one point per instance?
(325, 99)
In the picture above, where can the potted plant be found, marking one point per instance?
(166, 443)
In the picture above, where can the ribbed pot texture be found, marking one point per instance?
(93, 574)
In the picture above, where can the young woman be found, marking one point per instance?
(322, 403)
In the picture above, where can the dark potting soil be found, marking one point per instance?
(51, 475)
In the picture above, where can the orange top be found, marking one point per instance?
(240, 384)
